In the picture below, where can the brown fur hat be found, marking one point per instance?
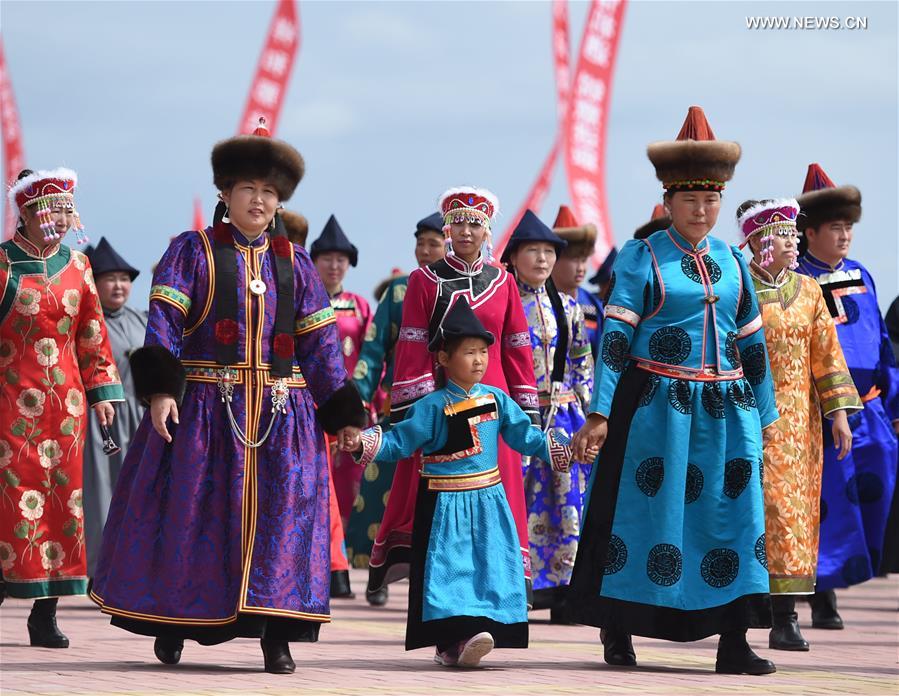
(296, 226)
(382, 286)
(695, 160)
(257, 156)
(823, 201)
(581, 238)
(659, 221)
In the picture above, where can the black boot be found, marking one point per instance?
(785, 634)
(277, 657)
(168, 650)
(42, 629)
(618, 649)
(378, 598)
(340, 585)
(824, 610)
(736, 657)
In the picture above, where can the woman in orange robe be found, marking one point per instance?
(810, 378)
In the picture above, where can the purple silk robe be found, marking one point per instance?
(206, 533)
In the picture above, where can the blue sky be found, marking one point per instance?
(391, 103)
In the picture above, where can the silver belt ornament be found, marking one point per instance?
(225, 379)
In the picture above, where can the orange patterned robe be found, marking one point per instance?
(55, 362)
(810, 377)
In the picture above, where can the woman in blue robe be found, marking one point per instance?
(672, 544)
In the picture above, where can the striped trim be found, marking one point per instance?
(371, 445)
(209, 375)
(622, 314)
(834, 379)
(708, 374)
(559, 446)
(314, 321)
(174, 297)
(468, 404)
(561, 399)
(466, 482)
(784, 585)
(750, 328)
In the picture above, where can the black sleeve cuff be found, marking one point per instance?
(156, 370)
(342, 409)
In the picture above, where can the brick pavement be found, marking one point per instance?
(362, 653)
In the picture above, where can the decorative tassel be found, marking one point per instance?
(80, 235)
(767, 251)
(489, 248)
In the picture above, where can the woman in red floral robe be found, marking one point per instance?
(55, 362)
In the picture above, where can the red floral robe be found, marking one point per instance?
(55, 362)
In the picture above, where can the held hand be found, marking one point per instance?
(766, 435)
(842, 434)
(349, 439)
(105, 413)
(588, 441)
(162, 407)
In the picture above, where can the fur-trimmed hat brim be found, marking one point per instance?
(651, 227)
(296, 226)
(248, 157)
(827, 205)
(689, 160)
(581, 239)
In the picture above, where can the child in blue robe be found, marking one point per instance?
(467, 590)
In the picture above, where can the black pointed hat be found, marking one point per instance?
(604, 272)
(432, 223)
(532, 229)
(332, 238)
(460, 322)
(105, 259)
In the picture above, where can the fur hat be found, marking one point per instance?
(695, 160)
(823, 201)
(257, 156)
(296, 226)
(581, 238)
(660, 220)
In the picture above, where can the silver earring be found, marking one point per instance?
(225, 217)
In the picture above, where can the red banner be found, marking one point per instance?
(273, 70)
(585, 142)
(13, 156)
(540, 188)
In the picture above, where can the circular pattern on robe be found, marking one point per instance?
(856, 569)
(616, 556)
(737, 394)
(679, 397)
(614, 350)
(719, 568)
(650, 475)
(649, 391)
(664, 564)
(754, 363)
(737, 473)
(850, 309)
(713, 399)
(749, 395)
(670, 345)
(745, 306)
(865, 487)
(823, 514)
(761, 553)
(730, 350)
(695, 482)
(689, 268)
(762, 473)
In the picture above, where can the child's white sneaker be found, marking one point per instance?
(474, 649)
(448, 658)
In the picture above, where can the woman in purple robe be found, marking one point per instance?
(219, 525)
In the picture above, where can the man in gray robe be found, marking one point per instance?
(126, 328)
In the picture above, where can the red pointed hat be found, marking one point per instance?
(581, 238)
(659, 221)
(823, 201)
(695, 160)
(257, 156)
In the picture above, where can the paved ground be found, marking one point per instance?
(362, 653)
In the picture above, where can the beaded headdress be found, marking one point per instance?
(768, 219)
(469, 204)
(46, 191)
